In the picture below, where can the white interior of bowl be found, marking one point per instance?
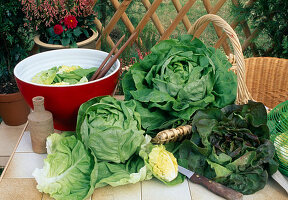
(85, 58)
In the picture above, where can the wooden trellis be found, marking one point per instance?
(120, 9)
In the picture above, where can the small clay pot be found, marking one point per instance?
(13, 109)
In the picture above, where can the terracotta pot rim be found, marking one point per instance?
(56, 46)
(17, 96)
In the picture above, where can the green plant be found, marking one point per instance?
(231, 146)
(64, 22)
(115, 122)
(177, 78)
(271, 17)
(16, 41)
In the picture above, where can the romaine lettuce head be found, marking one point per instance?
(110, 128)
(69, 172)
(179, 77)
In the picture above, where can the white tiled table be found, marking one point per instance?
(18, 184)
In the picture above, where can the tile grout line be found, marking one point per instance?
(14, 150)
(141, 196)
(189, 188)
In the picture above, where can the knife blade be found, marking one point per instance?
(214, 187)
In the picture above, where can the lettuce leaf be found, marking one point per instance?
(69, 172)
(133, 171)
(64, 75)
(45, 77)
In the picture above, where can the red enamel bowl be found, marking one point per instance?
(63, 101)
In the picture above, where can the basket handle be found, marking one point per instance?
(243, 94)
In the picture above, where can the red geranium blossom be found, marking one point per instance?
(58, 29)
(70, 22)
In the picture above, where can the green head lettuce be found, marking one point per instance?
(179, 77)
(110, 128)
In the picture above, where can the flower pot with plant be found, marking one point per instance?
(61, 23)
(15, 45)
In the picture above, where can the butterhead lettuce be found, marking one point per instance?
(179, 77)
(110, 128)
(69, 172)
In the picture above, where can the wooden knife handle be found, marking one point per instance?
(216, 188)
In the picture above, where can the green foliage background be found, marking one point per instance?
(15, 39)
(271, 16)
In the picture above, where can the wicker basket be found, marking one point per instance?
(266, 79)
(262, 79)
(243, 94)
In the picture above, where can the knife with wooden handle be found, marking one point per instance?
(214, 187)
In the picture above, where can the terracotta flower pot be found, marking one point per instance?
(13, 109)
(89, 43)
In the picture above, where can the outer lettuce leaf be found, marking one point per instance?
(231, 146)
(121, 174)
(133, 171)
(69, 172)
(110, 128)
(179, 77)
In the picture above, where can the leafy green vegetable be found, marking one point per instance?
(164, 164)
(134, 170)
(45, 77)
(110, 128)
(64, 75)
(114, 174)
(161, 163)
(179, 77)
(69, 171)
(231, 146)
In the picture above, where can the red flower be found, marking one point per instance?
(70, 21)
(58, 29)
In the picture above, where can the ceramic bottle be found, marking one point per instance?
(40, 125)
